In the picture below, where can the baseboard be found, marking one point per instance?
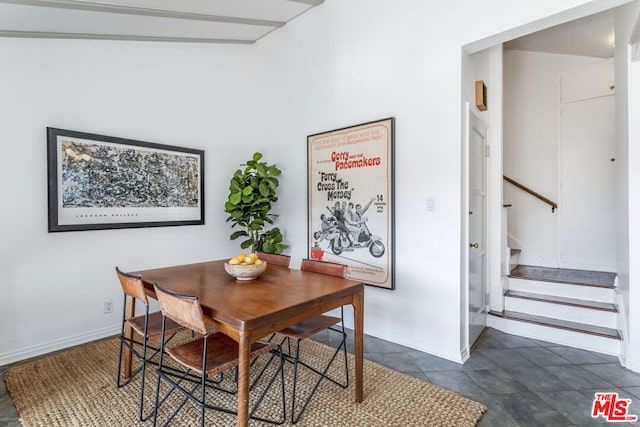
(55, 345)
(632, 364)
(410, 341)
(464, 354)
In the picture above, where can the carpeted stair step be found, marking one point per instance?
(601, 279)
(565, 283)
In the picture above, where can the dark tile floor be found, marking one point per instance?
(523, 382)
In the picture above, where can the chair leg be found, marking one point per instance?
(296, 361)
(279, 370)
(174, 380)
(321, 374)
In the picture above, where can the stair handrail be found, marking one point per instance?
(553, 205)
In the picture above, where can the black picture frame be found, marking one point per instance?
(98, 182)
(353, 167)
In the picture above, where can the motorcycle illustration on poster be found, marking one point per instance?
(350, 212)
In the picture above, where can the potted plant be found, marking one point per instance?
(252, 192)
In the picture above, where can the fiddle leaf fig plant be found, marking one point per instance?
(252, 192)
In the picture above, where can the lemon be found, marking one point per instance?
(248, 260)
(258, 261)
(253, 255)
(234, 261)
(241, 257)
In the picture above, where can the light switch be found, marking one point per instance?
(430, 204)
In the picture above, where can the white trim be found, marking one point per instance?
(563, 17)
(59, 344)
(624, 357)
(124, 37)
(634, 41)
(464, 225)
(465, 354)
(496, 213)
(147, 11)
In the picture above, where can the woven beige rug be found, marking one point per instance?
(77, 388)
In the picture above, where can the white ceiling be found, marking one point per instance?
(236, 21)
(589, 36)
(201, 21)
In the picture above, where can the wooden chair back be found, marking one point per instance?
(132, 286)
(275, 259)
(329, 268)
(182, 309)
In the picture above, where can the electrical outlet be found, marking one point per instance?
(108, 306)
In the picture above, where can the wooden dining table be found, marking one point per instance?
(250, 310)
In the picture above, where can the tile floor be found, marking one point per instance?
(523, 382)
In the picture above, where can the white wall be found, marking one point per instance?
(352, 62)
(531, 130)
(340, 64)
(53, 285)
(628, 136)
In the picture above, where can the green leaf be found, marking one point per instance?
(273, 183)
(261, 171)
(234, 198)
(264, 190)
(273, 171)
(267, 247)
(257, 156)
(237, 234)
(261, 200)
(247, 190)
(246, 244)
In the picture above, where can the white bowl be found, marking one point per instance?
(245, 272)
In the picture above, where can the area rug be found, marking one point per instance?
(77, 387)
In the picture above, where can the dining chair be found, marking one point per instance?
(310, 327)
(203, 358)
(147, 326)
(275, 259)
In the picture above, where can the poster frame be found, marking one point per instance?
(100, 215)
(356, 165)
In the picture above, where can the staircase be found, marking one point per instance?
(569, 307)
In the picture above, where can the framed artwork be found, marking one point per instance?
(350, 200)
(100, 182)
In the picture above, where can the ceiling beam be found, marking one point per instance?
(310, 2)
(123, 37)
(142, 11)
